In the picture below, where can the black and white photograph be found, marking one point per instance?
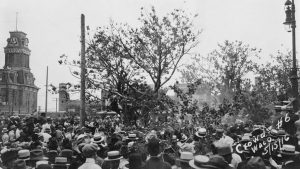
(149, 84)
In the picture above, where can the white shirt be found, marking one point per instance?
(236, 159)
(89, 164)
(44, 126)
(46, 137)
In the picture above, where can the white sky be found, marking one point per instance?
(53, 27)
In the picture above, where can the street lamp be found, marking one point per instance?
(290, 24)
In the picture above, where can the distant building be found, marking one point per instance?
(73, 106)
(18, 93)
(63, 97)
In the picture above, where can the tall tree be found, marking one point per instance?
(273, 77)
(225, 68)
(158, 46)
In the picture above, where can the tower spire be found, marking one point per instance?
(16, 21)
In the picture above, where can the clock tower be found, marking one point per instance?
(16, 51)
(18, 93)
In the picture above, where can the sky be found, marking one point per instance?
(53, 28)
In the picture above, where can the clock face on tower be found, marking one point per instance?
(13, 41)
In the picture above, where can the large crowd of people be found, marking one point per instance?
(105, 143)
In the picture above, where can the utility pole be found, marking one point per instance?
(290, 22)
(46, 103)
(83, 72)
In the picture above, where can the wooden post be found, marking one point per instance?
(83, 72)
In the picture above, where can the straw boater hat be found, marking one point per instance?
(38, 163)
(113, 155)
(186, 157)
(24, 154)
(289, 150)
(281, 133)
(61, 160)
(132, 136)
(98, 138)
(216, 162)
(201, 132)
(187, 148)
(274, 133)
(199, 162)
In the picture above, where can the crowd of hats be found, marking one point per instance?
(197, 147)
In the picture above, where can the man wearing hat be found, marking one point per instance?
(289, 155)
(199, 162)
(60, 162)
(224, 150)
(46, 135)
(24, 155)
(36, 155)
(20, 164)
(184, 159)
(155, 162)
(113, 160)
(201, 144)
(8, 157)
(89, 152)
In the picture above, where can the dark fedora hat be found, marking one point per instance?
(19, 164)
(37, 155)
(201, 132)
(9, 156)
(257, 131)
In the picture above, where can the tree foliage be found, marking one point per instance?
(158, 46)
(119, 59)
(224, 68)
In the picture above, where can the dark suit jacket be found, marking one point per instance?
(156, 163)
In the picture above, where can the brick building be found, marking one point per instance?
(18, 93)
